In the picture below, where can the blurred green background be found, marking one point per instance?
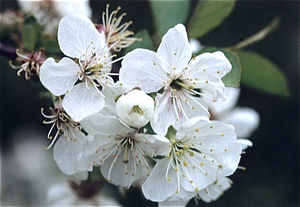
(272, 175)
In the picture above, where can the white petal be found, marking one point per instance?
(141, 68)
(66, 152)
(245, 120)
(185, 127)
(195, 45)
(217, 108)
(163, 115)
(157, 188)
(177, 203)
(81, 175)
(195, 106)
(228, 160)
(245, 143)
(210, 85)
(104, 124)
(88, 156)
(200, 174)
(81, 101)
(214, 137)
(114, 170)
(179, 199)
(59, 77)
(156, 144)
(209, 64)
(77, 36)
(215, 190)
(175, 50)
(112, 92)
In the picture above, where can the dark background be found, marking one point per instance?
(272, 175)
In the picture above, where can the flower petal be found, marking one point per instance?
(245, 143)
(81, 101)
(117, 172)
(217, 108)
(228, 161)
(209, 64)
(156, 144)
(157, 187)
(59, 77)
(141, 68)
(175, 50)
(215, 190)
(104, 124)
(179, 199)
(67, 151)
(163, 115)
(82, 175)
(78, 37)
(199, 171)
(245, 120)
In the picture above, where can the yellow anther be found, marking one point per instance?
(185, 163)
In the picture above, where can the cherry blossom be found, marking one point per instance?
(180, 80)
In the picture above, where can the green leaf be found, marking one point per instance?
(29, 37)
(145, 43)
(167, 14)
(51, 46)
(208, 15)
(260, 73)
(231, 79)
(31, 33)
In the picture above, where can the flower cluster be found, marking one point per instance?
(157, 112)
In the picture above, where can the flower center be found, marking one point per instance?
(63, 123)
(127, 148)
(178, 85)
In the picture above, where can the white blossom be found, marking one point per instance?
(78, 38)
(180, 78)
(118, 148)
(68, 138)
(135, 108)
(200, 151)
(117, 34)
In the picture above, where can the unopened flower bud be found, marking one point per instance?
(135, 108)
